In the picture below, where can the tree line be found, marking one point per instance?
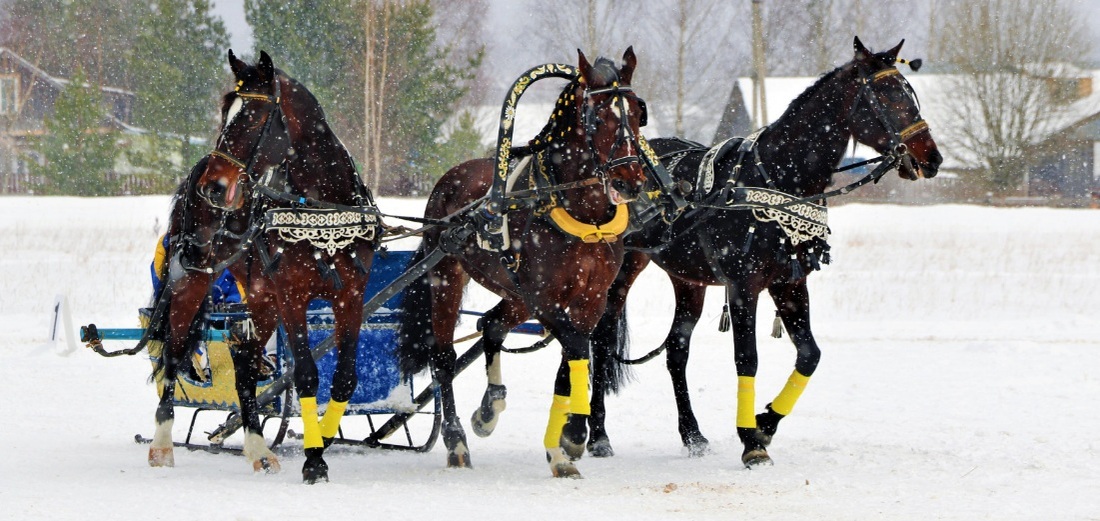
(392, 73)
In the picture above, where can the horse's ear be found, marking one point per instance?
(629, 62)
(235, 64)
(265, 67)
(583, 66)
(893, 53)
(862, 54)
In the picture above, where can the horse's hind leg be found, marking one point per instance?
(689, 306)
(609, 339)
(248, 339)
(495, 325)
(793, 304)
(448, 282)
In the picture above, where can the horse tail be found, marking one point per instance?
(610, 346)
(415, 338)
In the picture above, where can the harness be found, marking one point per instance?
(327, 227)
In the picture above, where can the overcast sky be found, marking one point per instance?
(232, 12)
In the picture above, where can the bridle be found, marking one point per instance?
(617, 96)
(898, 139)
(247, 166)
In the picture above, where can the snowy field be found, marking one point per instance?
(959, 380)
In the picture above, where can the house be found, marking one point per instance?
(27, 97)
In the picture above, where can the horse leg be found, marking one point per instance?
(247, 347)
(743, 314)
(566, 429)
(188, 293)
(608, 339)
(305, 383)
(447, 285)
(495, 325)
(689, 306)
(793, 304)
(345, 378)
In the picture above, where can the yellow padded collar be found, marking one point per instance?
(590, 233)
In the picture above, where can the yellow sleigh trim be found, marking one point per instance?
(590, 233)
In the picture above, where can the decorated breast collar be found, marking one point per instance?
(801, 222)
(325, 229)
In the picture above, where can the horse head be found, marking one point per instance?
(254, 138)
(607, 117)
(885, 113)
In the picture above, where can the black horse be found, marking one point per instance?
(755, 227)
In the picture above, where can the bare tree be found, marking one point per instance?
(1011, 57)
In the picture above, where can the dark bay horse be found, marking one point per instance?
(563, 255)
(751, 231)
(306, 228)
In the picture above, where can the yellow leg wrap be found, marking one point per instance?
(578, 387)
(746, 402)
(330, 422)
(311, 430)
(559, 411)
(790, 393)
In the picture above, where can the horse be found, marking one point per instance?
(564, 255)
(203, 241)
(310, 231)
(754, 227)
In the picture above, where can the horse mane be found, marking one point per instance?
(604, 71)
(803, 99)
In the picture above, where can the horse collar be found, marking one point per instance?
(592, 233)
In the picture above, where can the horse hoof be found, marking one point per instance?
(161, 457)
(560, 464)
(573, 436)
(756, 458)
(315, 469)
(484, 422)
(267, 464)
(600, 448)
(459, 460)
(697, 447)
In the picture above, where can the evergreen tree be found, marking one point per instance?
(177, 65)
(79, 152)
(323, 43)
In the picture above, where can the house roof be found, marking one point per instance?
(53, 80)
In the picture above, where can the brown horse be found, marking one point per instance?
(755, 228)
(310, 225)
(563, 255)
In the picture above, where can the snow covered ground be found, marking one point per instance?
(959, 380)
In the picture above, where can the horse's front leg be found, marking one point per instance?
(566, 429)
(247, 347)
(743, 315)
(792, 301)
(689, 306)
(305, 383)
(184, 332)
(495, 325)
(345, 378)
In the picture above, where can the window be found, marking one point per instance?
(9, 94)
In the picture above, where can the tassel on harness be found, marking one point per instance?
(328, 271)
(748, 239)
(358, 263)
(777, 326)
